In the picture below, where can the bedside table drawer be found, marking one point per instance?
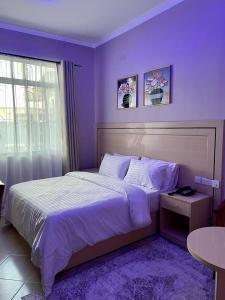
(176, 206)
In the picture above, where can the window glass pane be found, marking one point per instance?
(30, 118)
(18, 72)
(21, 118)
(5, 70)
(7, 129)
(19, 94)
(49, 74)
(6, 96)
(33, 72)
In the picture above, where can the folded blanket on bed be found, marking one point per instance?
(60, 216)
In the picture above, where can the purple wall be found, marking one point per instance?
(24, 44)
(190, 37)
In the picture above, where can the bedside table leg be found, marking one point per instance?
(220, 285)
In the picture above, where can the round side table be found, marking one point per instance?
(208, 246)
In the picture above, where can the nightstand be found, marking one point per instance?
(2, 187)
(179, 215)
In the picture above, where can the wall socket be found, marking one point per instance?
(202, 180)
(206, 181)
(215, 184)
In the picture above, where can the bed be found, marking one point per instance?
(60, 216)
(63, 235)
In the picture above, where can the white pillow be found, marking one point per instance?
(114, 166)
(163, 175)
(146, 173)
(156, 175)
(128, 156)
(137, 172)
(144, 158)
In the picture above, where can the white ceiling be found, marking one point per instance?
(88, 22)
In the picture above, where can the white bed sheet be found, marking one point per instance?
(60, 216)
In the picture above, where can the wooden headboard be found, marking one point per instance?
(197, 146)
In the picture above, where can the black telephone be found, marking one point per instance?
(184, 191)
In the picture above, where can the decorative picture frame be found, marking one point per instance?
(157, 87)
(127, 92)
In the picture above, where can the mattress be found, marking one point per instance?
(153, 198)
(60, 216)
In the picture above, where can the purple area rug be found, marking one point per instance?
(149, 269)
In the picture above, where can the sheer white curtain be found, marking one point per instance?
(30, 120)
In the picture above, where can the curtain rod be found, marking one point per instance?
(35, 58)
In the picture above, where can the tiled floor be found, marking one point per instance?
(18, 277)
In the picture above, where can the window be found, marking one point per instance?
(30, 117)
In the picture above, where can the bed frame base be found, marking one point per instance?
(114, 243)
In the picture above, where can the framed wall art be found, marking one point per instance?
(157, 87)
(127, 92)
